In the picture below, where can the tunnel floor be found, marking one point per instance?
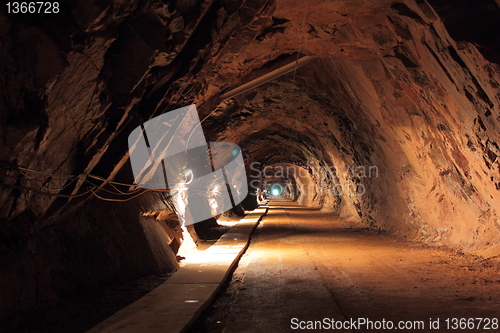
(309, 265)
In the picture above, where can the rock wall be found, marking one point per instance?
(391, 89)
(73, 89)
(91, 244)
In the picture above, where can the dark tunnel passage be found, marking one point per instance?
(377, 118)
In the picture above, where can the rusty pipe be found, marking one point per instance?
(269, 76)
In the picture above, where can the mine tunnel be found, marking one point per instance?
(367, 133)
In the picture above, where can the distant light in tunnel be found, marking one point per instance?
(276, 190)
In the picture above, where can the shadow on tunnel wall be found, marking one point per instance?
(97, 242)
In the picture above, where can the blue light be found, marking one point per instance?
(235, 152)
(276, 190)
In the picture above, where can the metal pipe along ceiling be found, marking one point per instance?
(269, 76)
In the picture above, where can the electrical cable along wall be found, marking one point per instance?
(37, 182)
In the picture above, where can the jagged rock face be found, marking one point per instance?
(396, 121)
(390, 89)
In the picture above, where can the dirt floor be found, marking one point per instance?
(308, 265)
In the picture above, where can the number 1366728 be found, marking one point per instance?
(40, 7)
